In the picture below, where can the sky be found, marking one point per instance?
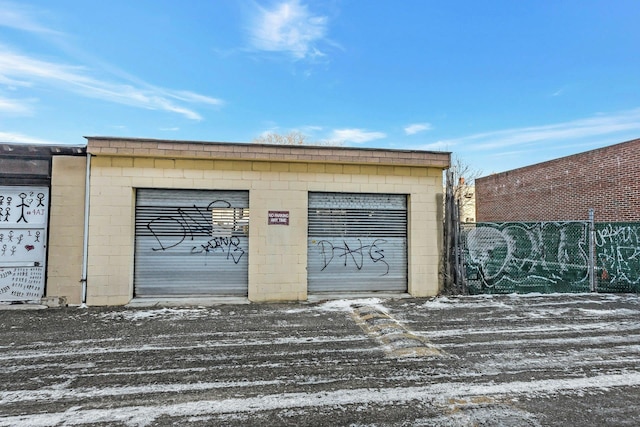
(499, 83)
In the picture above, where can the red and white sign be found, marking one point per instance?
(278, 218)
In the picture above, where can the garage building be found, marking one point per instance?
(182, 219)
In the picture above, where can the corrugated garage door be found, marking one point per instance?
(357, 242)
(191, 242)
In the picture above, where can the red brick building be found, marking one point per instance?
(606, 179)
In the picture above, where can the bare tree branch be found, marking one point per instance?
(464, 177)
(291, 138)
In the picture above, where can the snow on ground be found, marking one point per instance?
(500, 358)
(341, 305)
(348, 304)
(144, 415)
(162, 314)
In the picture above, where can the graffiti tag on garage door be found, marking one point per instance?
(200, 230)
(355, 254)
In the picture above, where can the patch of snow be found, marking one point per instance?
(456, 302)
(348, 304)
(88, 350)
(518, 343)
(437, 394)
(599, 327)
(160, 314)
(61, 391)
(608, 313)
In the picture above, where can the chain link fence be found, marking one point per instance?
(617, 254)
(549, 257)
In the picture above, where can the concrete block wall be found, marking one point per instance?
(66, 228)
(277, 254)
(605, 179)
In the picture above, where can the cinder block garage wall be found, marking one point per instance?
(605, 179)
(66, 228)
(277, 178)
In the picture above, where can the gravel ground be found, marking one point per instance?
(537, 360)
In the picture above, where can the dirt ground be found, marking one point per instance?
(541, 360)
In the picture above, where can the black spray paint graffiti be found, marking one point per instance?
(355, 254)
(23, 205)
(618, 253)
(188, 224)
(23, 208)
(510, 255)
(227, 245)
(18, 242)
(171, 231)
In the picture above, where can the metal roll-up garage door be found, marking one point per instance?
(191, 242)
(357, 242)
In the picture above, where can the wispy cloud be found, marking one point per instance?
(625, 122)
(416, 128)
(15, 137)
(18, 71)
(20, 17)
(357, 136)
(289, 27)
(15, 106)
(22, 70)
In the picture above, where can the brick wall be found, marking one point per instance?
(606, 179)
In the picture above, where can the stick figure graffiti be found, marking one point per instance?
(23, 205)
(23, 236)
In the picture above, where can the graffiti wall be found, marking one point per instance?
(617, 247)
(527, 257)
(551, 257)
(23, 221)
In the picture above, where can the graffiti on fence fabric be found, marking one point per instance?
(511, 257)
(618, 255)
(352, 254)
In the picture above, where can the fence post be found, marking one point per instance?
(448, 241)
(453, 263)
(456, 245)
(592, 251)
(461, 273)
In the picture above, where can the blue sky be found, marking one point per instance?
(501, 84)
